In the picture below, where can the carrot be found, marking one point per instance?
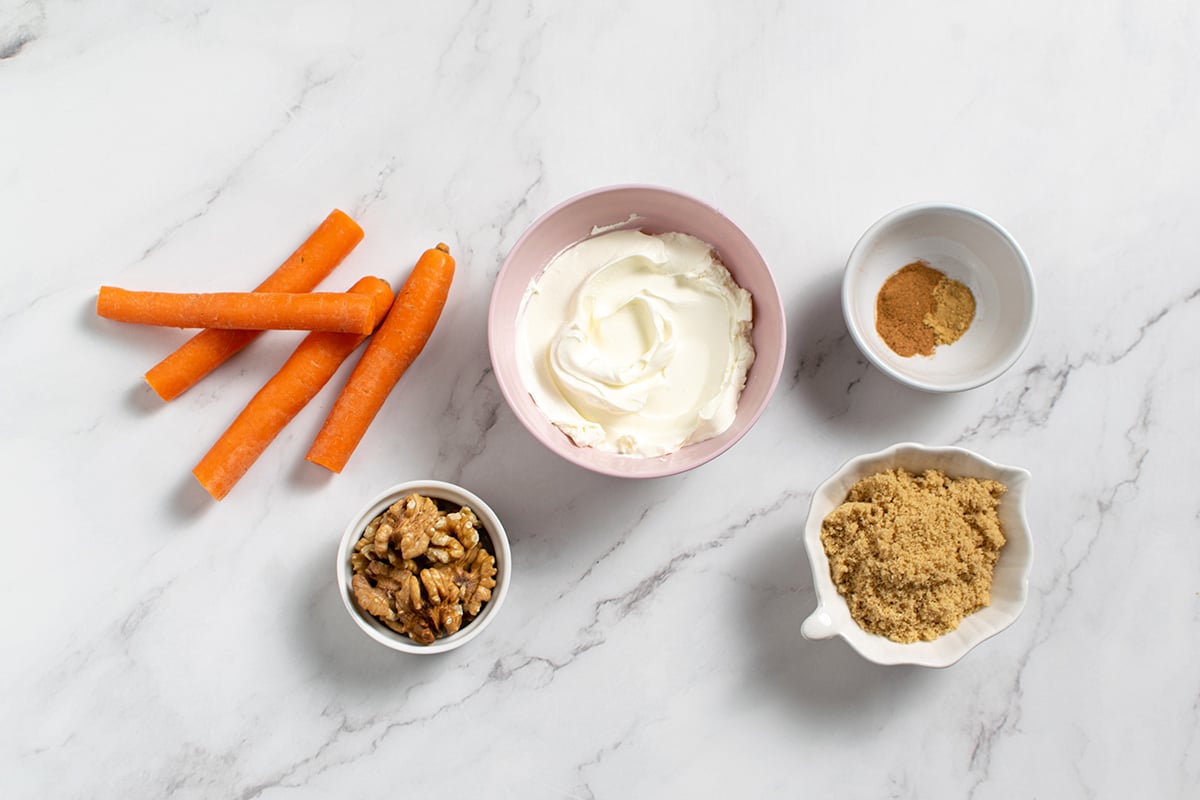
(392, 349)
(341, 312)
(282, 397)
(312, 261)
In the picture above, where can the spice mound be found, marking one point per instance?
(423, 569)
(914, 554)
(919, 308)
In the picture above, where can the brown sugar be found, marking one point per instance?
(919, 308)
(913, 555)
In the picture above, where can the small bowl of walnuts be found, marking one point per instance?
(424, 567)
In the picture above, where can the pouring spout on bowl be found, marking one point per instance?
(819, 625)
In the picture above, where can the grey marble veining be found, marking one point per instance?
(159, 644)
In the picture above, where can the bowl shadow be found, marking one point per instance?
(833, 381)
(823, 680)
(140, 398)
(339, 653)
(143, 400)
(189, 500)
(544, 500)
(308, 476)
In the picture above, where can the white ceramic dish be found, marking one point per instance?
(968, 247)
(438, 490)
(1010, 584)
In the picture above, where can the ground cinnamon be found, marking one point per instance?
(918, 308)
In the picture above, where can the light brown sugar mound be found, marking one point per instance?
(914, 554)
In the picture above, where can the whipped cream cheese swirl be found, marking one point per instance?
(636, 344)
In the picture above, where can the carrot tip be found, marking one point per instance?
(213, 492)
(332, 467)
(160, 392)
(445, 248)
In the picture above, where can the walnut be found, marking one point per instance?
(476, 577)
(397, 560)
(383, 537)
(373, 601)
(440, 586)
(464, 525)
(443, 547)
(414, 627)
(468, 581)
(447, 617)
(440, 606)
(369, 533)
(412, 593)
(421, 571)
(412, 615)
(387, 577)
(415, 517)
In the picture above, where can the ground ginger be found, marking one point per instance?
(914, 554)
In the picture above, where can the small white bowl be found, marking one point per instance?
(442, 491)
(967, 247)
(1010, 581)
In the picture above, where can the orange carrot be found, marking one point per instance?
(340, 312)
(331, 242)
(392, 349)
(291, 388)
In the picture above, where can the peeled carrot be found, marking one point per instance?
(287, 392)
(340, 312)
(312, 262)
(392, 349)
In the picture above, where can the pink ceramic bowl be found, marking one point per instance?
(654, 210)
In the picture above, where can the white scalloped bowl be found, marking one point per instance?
(1010, 582)
(438, 490)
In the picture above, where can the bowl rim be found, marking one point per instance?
(511, 392)
(872, 234)
(445, 491)
(818, 625)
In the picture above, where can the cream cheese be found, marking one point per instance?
(636, 344)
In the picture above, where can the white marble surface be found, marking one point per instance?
(156, 643)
